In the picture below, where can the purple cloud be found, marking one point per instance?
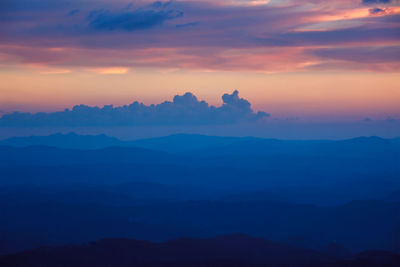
(371, 2)
(132, 20)
(361, 54)
(183, 110)
(208, 36)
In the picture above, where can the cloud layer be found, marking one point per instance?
(105, 20)
(183, 110)
(265, 36)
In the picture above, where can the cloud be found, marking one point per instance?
(361, 54)
(189, 24)
(212, 35)
(139, 19)
(377, 10)
(183, 110)
(391, 119)
(339, 36)
(73, 12)
(371, 2)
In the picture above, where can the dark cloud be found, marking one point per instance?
(183, 110)
(391, 119)
(361, 54)
(371, 2)
(355, 34)
(132, 20)
(376, 10)
(73, 12)
(190, 24)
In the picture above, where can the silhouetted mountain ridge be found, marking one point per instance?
(70, 140)
(53, 155)
(201, 186)
(187, 142)
(196, 143)
(230, 250)
(54, 220)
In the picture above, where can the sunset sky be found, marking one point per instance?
(333, 60)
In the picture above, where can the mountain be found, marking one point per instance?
(51, 155)
(371, 147)
(306, 193)
(70, 141)
(394, 196)
(112, 195)
(322, 172)
(186, 142)
(172, 143)
(202, 145)
(44, 218)
(231, 250)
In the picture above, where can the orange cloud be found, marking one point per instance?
(110, 70)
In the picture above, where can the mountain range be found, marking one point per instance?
(310, 195)
(232, 250)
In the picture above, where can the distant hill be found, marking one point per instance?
(70, 141)
(362, 146)
(232, 250)
(52, 155)
(200, 186)
(186, 142)
(203, 145)
(338, 170)
(394, 196)
(172, 143)
(111, 195)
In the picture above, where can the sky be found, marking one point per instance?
(311, 61)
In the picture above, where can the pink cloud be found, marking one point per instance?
(233, 35)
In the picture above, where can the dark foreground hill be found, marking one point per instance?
(41, 218)
(233, 250)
